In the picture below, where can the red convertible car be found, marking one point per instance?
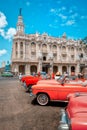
(75, 115)
(30, 80)
(23, 78)
(50, 92)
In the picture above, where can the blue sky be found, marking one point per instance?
(51, 16)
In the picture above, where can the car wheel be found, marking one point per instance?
(42, 99)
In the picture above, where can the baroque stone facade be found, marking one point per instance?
(36, 53)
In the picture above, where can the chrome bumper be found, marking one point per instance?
(64, 121)
(24, 85)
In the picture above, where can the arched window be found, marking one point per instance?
(54, 48)
(16, 45)
(64, 69)
(72, 48)
(33, 69)
(21, 50)
(44, 58)
(21, 45)
(33, 46)
(44, 48)
(55, 69)
(63, 48)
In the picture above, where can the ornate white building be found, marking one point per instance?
(36, 53)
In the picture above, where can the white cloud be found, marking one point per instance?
(62, 16)
(58, 2)
(53, 26)
(83, 17)
(27, 3)
(3, 21)
(74, 15)
(10, 33)
(2, 33)
(53, 10)
(70, 22)
(71, 11)
(2, 52)
(62, 9)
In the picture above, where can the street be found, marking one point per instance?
(19, 112)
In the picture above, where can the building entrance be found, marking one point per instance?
(22, 69)
(45, 67)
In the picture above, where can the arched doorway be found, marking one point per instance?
(22, 69)
(45, 67)
(72, 68)
(55, 69)
(33, 68)
(64, 69)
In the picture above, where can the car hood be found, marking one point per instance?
(48, 82)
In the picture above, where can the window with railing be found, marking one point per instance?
(33, 47)
(63, 49)
(21, 46)
(55, 57)
(21, 54)
(16, 49)
(72, 50)
(54, 48)
(63, 57)
(72, 57)
(44, 48)
(33, 55)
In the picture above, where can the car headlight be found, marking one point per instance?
(64, 123)
(63, 126)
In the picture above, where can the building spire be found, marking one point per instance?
(20, 10)
(20, 24)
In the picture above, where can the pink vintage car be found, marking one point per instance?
(46, 92)
(75, 115)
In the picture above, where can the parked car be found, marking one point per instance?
(74, 117)
(24, 77)
(7, 74)
(30, 80)
(50, 92)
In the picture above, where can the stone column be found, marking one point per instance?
(40, 65)
(51, 66)
(18, 49)
(78, 68)
(57, 53)
(60, 69)
(24, 50)
(67, 51)
(16, 69)
(75, 54)
(40, 61)
(27, 69)
(13, 51)
(69, 69)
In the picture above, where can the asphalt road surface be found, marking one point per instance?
(19, 112)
